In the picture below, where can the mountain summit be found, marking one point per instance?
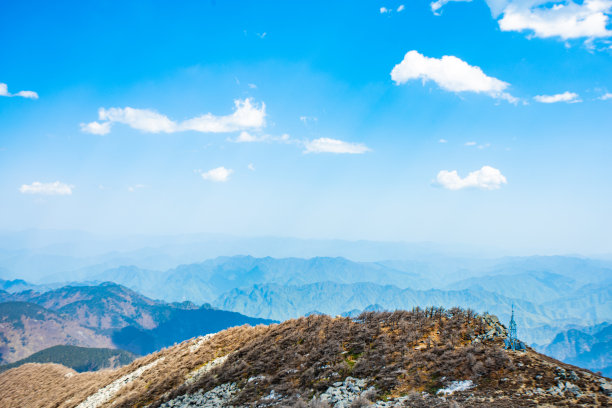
(421, 358)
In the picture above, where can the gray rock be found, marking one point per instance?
(605, 387)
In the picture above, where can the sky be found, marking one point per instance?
(470, 122)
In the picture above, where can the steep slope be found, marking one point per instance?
(78, 358)
(431, 358)
(26, 328)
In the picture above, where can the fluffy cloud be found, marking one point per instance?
(385, 10)
(568, 97)
(96, 128)
(24, 94)
(246, 137)
(55, 188)
(450, 73)
(140, 119)
(218, 175)
(437, 5)
(327, 145)
(605, 96)
(566, 19)
(246, 115)
(487, 178)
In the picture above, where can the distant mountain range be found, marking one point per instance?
(284, 302)
(550, 294)
(106, 315)
(206, 281)
(590, 347)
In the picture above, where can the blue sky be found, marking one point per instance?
(481, 123)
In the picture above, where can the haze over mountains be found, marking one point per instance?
(551, 294)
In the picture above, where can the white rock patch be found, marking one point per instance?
(105, 394)
(196, 374)
(199, 341)
(456, 386)
(218, 397)
(342, 393)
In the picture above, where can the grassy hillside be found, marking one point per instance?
(78, 358)
(421, 358)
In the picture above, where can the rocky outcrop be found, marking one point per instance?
(218, 397)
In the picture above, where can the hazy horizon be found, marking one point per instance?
(353, 121)
(81, 243)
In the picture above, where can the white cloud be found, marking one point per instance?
(437, 5)
(246, 115)
(262, 35)
(442, 141)
(24, 94)
(605, 96)
(218, 175)
(27, 94)
(140, 119)
(251, 167)
(384, 10)
(252, 86)
(55, 188)
(96, 128)
(487, 178)
(470, 143)
(327, 145)
(569, 97)
(565, 19)
(400, 8)
(450, 73)
(246, 137)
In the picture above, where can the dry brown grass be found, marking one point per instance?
(399, 352)
(46, 385)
